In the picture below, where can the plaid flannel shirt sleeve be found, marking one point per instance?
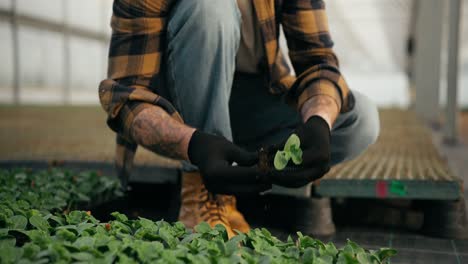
(305, 25)
(138, 29)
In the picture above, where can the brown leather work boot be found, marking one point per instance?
(198, 205)
(235, 218)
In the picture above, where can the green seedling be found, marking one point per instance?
(34, 229)
(292, 151)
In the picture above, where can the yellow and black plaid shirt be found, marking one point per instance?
(138, 41)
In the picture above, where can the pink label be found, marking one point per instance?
(381, 189)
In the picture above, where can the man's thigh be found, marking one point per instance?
(258, 118)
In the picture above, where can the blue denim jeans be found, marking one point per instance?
(202, 42)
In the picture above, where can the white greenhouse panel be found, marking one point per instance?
(373, 32)
(87, 69)
(370, 40)
(384, 89)
(106, 18)
(5, 4)
(6, 68)
(41, 66)
(85, 14)
(464, 41)
(46, 9)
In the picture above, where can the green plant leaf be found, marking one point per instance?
(66, 235)
(31, 250)
(18, 222)
(233, 244)
(7, 242)
(148, 251)
(39, 237)
(203, 227)
(356, 248)
(308, 256)
(281, 160)
(296, 155)
(292, 142)
(39, 222)
(363, 258)
(168, 238)
(82, 256)
(119, 217)
(83, 197)
(385, 253)
(76, 217)
(84, 243)
(81, 227)
(80, 238)
(57, 219)
(10, 254)
(292, 150)
(346, 257)
(330, 249)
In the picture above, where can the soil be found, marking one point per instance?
(152, 201)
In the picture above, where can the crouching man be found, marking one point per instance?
(205, 82)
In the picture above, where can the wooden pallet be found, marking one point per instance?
(403, 163)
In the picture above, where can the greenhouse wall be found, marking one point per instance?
(46, 53)
(57, 67)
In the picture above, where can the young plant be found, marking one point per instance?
(292, 151)
(33, 229)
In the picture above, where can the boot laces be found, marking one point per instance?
(211, 206)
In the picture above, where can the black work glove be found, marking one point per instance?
(315, 144)
(214, 156)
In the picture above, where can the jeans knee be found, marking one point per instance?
(371, 125)
(215, 19)
(368, 123)
(361, 130)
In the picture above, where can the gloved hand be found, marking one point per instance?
(214, 156)
(314, 137)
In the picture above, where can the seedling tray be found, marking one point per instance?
(403, 163)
